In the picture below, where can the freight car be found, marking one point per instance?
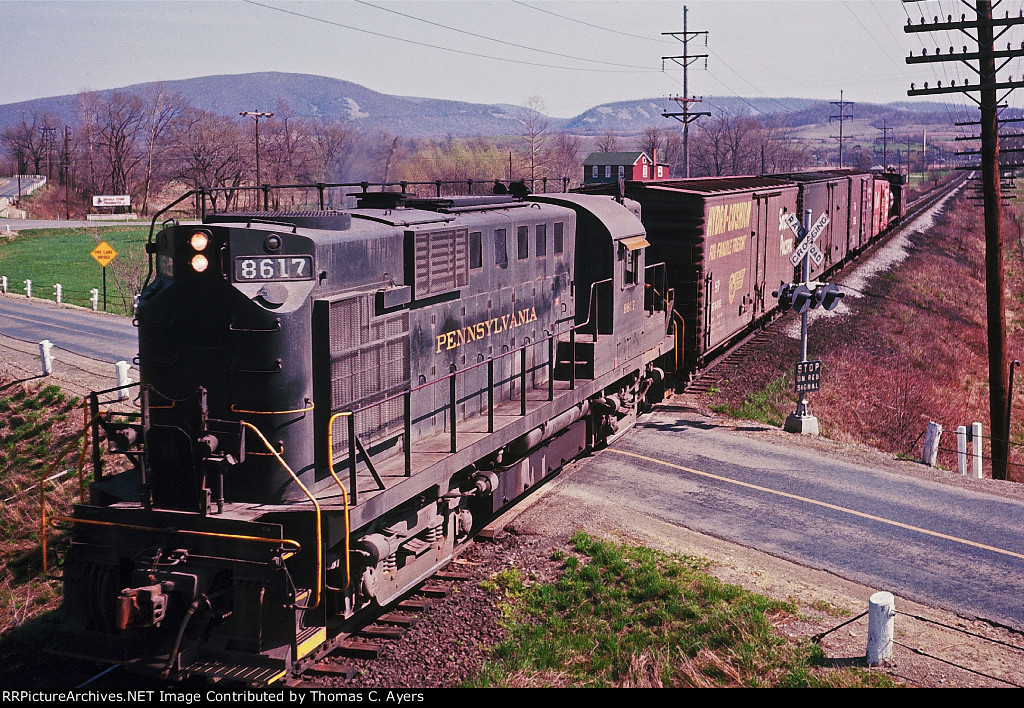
(333, 401)
(726, 244)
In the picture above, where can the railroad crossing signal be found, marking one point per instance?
(104, 253)
(806, 245)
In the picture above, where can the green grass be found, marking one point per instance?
(766, 405)
(633, 617)
(49, 256)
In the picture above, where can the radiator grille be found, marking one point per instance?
(369, 362)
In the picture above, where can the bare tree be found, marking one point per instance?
(565, 157)
(609, 142)
(534, 136)
(651, 141)
(25, 141)
(332, 145)
(122, 133)
(163, 107)
(209, 151)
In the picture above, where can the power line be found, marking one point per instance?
(500, 41)
(441, 48)
(588, 24)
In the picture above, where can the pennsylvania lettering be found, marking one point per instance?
(457, 337)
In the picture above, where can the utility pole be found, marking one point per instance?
(988, 86)
(67, 174)
(48, 142)
(885, 143)
(841, 118)
(256, 115)
(686, 116)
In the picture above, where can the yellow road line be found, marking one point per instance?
(821, 503)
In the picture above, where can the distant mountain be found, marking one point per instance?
(318, 96)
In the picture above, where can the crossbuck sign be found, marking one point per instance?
(806, 245)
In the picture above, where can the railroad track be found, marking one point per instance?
(376, 634)
(723, 366)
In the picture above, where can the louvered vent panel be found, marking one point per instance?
(346, 324)
(442, 261)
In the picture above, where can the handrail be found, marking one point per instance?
(316, 506)
(296, 546)
(42, 488)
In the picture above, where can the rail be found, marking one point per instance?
(356, 446)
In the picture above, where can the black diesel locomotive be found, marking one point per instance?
(332, 401)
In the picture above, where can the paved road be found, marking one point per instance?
(959, 548)
(9, 186)
(99, 336)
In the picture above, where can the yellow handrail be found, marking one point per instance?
(42, 488)
(297, 410)
(319, 530)
(185, 532)
(344, 492)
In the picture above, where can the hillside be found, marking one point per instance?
(319, 96)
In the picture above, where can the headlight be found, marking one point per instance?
(200, 263)
(199, 242)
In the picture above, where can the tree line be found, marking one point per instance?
(151, 145)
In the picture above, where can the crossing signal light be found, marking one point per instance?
(784, 295)
(802, 298)
(827, 296)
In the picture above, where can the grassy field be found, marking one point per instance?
(49, 256)
(633, 617)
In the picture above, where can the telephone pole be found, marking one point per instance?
(841, 118)
(988, 87)
(256, 115)
(686, 116)
(885, 144)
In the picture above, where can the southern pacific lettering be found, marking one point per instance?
(457, 337)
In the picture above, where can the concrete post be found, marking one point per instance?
(881, 618)
(28, 288)
(961, 449)
(3, 285)
(122, 379)
(45, 357)
(931, 444)
(94, 298)
(58, 292)
(976, 448)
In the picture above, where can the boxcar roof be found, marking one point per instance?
(714, 185)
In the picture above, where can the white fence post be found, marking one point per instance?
(976, 448)
(58, 292)
(931, 444)
(94, 298)
(881, 618)
(961, 449)
(122, 379)
(28, 288)
(3, 284)
(45, 357)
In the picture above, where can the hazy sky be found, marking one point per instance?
(572, 54)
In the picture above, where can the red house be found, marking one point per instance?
(604, 167)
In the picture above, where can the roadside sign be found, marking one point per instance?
(808, 376)
(112, 200)
(104, 253)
